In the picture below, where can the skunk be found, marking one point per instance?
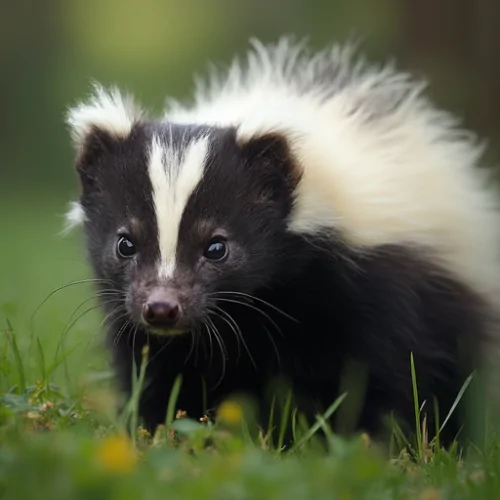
(306, 215)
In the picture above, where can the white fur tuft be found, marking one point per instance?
(380, 163)
(75, 216)
(107, 110)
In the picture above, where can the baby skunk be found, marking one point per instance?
(305, 214)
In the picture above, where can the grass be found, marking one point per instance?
(60, 438)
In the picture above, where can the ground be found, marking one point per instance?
(60, 437)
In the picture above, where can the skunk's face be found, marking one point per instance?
(178, 218)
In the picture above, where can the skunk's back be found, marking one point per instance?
(379, 163)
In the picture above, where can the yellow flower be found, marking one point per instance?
(180, 414)
(116, 454)
(430, 494)
(365, 439)
(230, 412)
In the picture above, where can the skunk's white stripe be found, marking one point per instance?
(174, 176)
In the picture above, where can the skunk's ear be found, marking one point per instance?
(98, 124)
(272, 156)
(271, 149)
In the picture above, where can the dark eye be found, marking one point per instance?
(216, 250)
(125, 248)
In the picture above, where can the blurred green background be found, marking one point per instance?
(50, 51)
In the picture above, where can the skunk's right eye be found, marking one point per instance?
(125, 248)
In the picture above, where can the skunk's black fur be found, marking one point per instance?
(304, 306)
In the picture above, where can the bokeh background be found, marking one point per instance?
(50, 51)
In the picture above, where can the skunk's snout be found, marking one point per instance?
(162, 309)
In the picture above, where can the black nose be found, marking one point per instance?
(162, 313)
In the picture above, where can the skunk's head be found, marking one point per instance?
(176, 214)
(286, 145)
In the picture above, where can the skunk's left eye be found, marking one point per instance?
(216, 250)
(125, 248)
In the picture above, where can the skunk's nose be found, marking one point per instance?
(161, 313)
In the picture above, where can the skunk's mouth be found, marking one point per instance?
(167, 332)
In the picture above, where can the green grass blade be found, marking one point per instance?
(11, 338)
(270, 422)
(436, 422)
(136, 395)
(325, 427)
(284, 421)
(41, 360)
(58, 361)
(172, 401)
(457, 400)
(317, 425)
(418, 428)
(294, 425)
(399, 436)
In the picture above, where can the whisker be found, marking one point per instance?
(255, 308)
(109, 291)
(258, 299)
(223, 351)
(134, 337)
(211, 342)
(168, 340)
(237, 331)
(95, 296)
(63, 333)
(68, 328)
(106, 292)
(219, 339)
(275, 347)
(191, 335)
(197, 335)
(238, 341)
(122, 329)
(271, 339)
(58, 289)
(122, 314)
